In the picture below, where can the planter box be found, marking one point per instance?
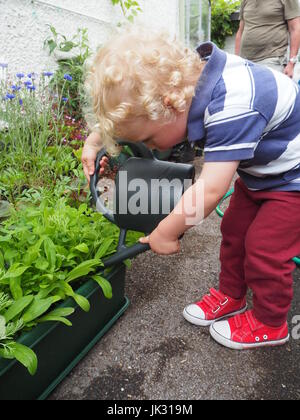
(58, 347)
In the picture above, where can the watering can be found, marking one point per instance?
(144, 173)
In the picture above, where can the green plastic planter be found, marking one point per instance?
(58, 347)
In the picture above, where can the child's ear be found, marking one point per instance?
(167, 101)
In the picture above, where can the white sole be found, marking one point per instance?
(239, 346)
(204, 323)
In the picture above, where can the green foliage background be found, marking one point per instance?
(222, 25)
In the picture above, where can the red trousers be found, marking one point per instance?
(261, 236)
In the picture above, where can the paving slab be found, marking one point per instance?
(152, 353)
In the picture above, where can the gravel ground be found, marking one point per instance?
(153, 353)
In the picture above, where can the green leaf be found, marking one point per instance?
(41, 264)
(50, 252)
(82, 248)
(83, 269)
(62, 312)
(32, 253)
(10, 255)
(104, 248)
(5, 352)
(24, 355)
(15, 288)
(58, 315)
(49, 318)
(53, 30)
(128, 263)
(38, 308)
(15, 271)
(83, 207)
(105, 286)
(68, 46)
(2, 263)
(82, 302)
(6, 238)
(17, 307)
(52, 45)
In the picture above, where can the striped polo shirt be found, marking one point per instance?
(248, 113)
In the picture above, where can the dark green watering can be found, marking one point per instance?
(148, 175)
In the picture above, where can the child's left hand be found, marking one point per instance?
(161, 244)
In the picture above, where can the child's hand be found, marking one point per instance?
(92, 146)
(88, 159)
(161, 244)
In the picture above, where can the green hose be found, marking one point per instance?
(221, 214)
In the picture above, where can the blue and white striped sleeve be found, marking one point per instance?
(233, 134)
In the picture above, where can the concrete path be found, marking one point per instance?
(153, 353)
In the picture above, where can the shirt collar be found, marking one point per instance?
(216, 60)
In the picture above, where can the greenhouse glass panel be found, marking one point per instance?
(196, 21)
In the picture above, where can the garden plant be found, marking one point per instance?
(51, 240)
(222, 25)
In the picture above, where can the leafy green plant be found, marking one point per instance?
(33, 154)
(15, 315)
(78, 49)
(222, 25)
(58, 173)
(130, 8)
(44, 250)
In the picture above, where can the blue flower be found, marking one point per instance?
(20, 75)
(48, 74)
(68, 77)
(28, 83)
(4, 65)
(20, 102)
(65, 99)
(32, 88)
(10, 96)
(16, 88)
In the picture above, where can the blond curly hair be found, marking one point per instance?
(139, 74)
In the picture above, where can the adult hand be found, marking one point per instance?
(289, 70)
(161, 244)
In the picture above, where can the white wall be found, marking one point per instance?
(23, 26)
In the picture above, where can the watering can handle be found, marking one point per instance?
(93, 186)
(125, 254)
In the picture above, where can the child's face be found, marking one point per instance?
(157, 136)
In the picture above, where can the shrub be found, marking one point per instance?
(222, 25)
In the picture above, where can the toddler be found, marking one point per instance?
(147, 88)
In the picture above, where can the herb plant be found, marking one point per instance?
(45, 250)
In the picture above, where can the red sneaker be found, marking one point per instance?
(244, 332)
(213, 307)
